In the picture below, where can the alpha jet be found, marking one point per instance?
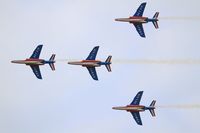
(90, 63)
(137, 19)
(134, 108)
(34, 62)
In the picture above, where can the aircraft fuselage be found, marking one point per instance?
(32, 61)
(135, 19)
(88, 63)
(133, 108)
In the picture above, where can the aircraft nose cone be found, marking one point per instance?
(13, 61)
(114, 108)
(17, 61)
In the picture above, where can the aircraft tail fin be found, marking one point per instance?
(52, 59)
(155, 23)
(156, 15)
(108, 60)
(152, 111)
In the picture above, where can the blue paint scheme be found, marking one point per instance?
(34, 61)
(90, 63)
(139, 13)
(36, 55)
(104, 63)
(48, 61)
(36, 71)
(137, 98)
(136, 116)
(93, 72)
(93, 53)
(92, 56)
(36, 52)
(140, 29)
(140, 10)
(136, 101)
(137, 19)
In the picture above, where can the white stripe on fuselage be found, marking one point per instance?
(137, 21)
(134, 108)
(34, 63)
(132, 20)
(29, 62)
(87, 64)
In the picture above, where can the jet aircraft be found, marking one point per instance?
(137, 19)
(134, 108)
(90, 63)
(34, 62)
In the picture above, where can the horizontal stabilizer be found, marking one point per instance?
(155, 23)
(152, 110)
(52, 59)
(153, 103)
(108, 60)
(52, 66)
(156, 15)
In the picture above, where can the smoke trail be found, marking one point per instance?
(180, 18)
(186, 106)
(61, 60)
(65, 60)
(151, 61)
(146, 61)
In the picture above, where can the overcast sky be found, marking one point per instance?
(68, 100)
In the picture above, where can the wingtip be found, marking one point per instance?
(39, 77)
(143, 36)
(144, 3)
(40, 45)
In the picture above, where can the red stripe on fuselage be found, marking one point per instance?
(136, 17)
(135, 106)
(95, 61)
(138, 108)
(33, 59)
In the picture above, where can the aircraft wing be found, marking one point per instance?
(36, 52)
(93, 72)
(137, 98)
(93, 53)
(136, 116)
(36, 71)
(140, 29)
(140, 10)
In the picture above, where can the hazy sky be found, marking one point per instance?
(68, 100)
